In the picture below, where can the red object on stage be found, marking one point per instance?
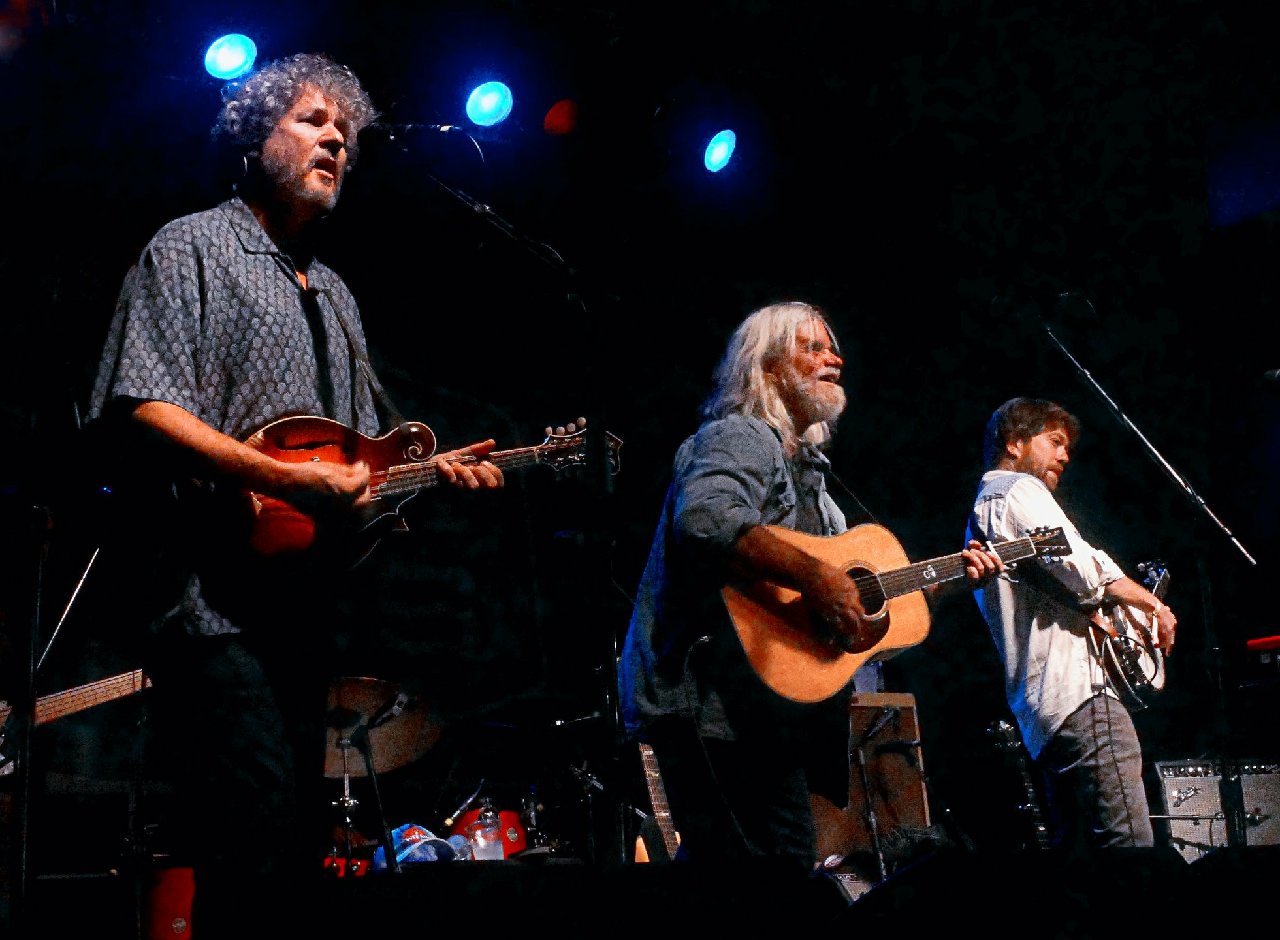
(336, 866)
(514, 837)
(169, 904)
(1259, 644)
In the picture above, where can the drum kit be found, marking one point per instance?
(375, 727)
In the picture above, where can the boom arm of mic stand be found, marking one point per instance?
(544, 253)
(1154, 454)
(1229, 786)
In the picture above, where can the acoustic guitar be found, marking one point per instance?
(800, 662)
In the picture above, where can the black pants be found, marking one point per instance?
(238, 730)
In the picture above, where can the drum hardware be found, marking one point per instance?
(529, 810)
(400, 726)
(341, 864)
(515, 839)
(466, 804)
(389, 728)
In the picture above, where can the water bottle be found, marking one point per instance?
(461, 848)
(487, 843)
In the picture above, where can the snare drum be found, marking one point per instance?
(514, 837)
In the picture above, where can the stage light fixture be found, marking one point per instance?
(561, 118)
(720, 151)
(230, 56)
(489, 104)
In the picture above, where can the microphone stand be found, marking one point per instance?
(873, 827)
(22, 722)
(1230, 787)
(598, 456)
(359, 738)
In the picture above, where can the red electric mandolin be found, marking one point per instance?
(401, 466)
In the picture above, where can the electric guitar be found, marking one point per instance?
(1007, 741)
(61, 704)
(401, 466)
(661, 812)
(800, 663)
(1125, 643)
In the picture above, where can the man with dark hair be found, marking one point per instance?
(1072, 720)
(227, 323)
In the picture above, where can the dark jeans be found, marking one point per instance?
(734, 800)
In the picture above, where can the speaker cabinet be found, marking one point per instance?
(1191, 798)
(886, 778)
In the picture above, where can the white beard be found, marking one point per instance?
(811, 401)
(828, 402)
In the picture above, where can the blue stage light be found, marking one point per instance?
(230, 56)
(720, 151)
(489, 104)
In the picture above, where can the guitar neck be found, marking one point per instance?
(61, 704)
(947, 568)
(658, 797)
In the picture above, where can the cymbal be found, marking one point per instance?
(400, 740)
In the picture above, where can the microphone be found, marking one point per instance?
(397, 130)
(887, 714)
(1272, 376)
(389, 710)
(453, 817)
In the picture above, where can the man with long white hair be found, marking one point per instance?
(736, 757)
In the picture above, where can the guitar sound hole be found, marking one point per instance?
(873, 599)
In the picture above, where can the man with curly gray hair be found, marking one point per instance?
(252, 110)
(227, 323)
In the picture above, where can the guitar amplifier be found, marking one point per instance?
(1191, 799)
(884, 738)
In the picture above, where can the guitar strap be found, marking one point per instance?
(390, 413)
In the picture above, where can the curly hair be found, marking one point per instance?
(251, 108)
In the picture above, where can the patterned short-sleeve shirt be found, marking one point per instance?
(213, 318)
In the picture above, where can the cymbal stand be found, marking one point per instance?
(359, 738)
(589, 783)
(347, 803)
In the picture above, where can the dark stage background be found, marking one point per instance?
(934, 174)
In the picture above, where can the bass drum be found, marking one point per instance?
(515, 838)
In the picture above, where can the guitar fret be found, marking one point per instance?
(939, 570)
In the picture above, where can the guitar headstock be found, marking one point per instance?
(565, 449)
(1050, 542)
(1004, 734)
(1155, 577)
